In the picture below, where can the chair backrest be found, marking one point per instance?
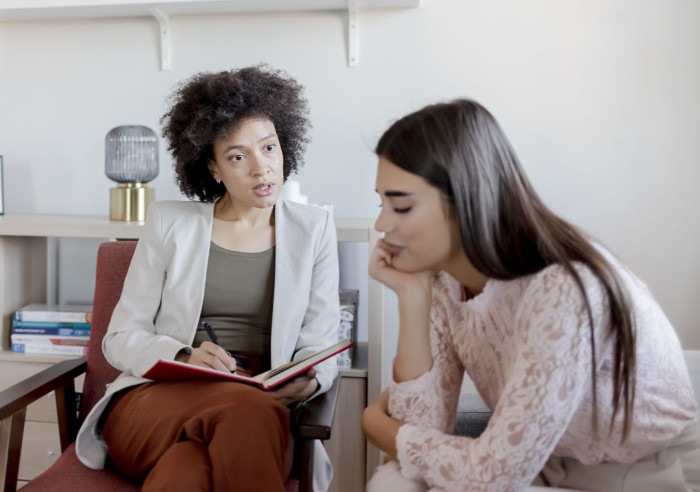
(113, 260)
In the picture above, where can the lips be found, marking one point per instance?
(393, 248)
(264, 189)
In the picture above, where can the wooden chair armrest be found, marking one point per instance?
(26, 392)
(314, 419)
(13, 407)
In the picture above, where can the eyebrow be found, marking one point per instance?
(237, 146)
(392, 194)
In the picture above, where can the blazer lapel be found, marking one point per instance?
(285, 330)
(201, 248)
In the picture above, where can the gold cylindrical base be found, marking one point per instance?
(129, 201)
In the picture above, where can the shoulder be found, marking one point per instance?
(173, 208)
(557, 279)
(302, 211)
(306, 219)
(559, 301)
(177, 218)
(557, 286)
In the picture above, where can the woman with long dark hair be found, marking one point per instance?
(584, 373)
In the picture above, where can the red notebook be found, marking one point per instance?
(170, 370)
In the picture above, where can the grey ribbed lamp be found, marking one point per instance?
(131, 159)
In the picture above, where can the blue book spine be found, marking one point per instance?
(65, 332)
(51, 324)
(50, 328)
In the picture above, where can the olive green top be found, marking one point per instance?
(238, 298)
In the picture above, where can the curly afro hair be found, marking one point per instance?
(210, 106)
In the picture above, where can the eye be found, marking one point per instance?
(270, 147)
(237, 157)
(402, 210)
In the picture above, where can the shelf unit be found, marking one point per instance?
(161, 11)
(24, 243)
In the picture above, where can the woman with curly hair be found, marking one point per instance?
(583, 371)
(258, 273)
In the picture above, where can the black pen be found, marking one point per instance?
(215, 340)
(210, 331)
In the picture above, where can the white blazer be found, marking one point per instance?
(161, 303)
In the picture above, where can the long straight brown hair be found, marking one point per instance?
(506, 230)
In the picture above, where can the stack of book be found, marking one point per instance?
(349, 300)
(51, 329)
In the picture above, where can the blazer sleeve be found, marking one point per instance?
(322, 318)
(131, 343)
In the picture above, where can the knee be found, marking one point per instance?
(183, 467)
(388, 477)
(257, 411)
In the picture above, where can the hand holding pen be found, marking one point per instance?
(211, 355)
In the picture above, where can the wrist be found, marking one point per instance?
(415, 296)
(183, 354)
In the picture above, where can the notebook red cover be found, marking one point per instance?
(170, 370)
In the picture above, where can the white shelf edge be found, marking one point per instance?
(96, 226)
(8, 355)
(30, 10)
(41, 10)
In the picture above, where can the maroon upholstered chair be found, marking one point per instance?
(311, 421)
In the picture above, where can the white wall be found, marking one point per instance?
(601, 99)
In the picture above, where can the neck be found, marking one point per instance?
(228, 210)
(464, 272)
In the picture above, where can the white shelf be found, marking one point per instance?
(9, 356)
(99, 226)
(16, 10)
(95, 226)
(36, 10)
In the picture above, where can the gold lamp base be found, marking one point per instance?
(129, 201)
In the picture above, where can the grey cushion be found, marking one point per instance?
(472, 415)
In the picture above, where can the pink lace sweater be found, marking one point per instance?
(525, 343)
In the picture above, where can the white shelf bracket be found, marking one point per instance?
(164, 25)
(353, 50)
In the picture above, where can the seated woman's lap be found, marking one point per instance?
(146, 421)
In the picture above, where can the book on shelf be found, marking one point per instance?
(169, 370)
(48, 349)
(78, 325)
(51, 328)
(64, 332)
(54, 312)
(50, 339)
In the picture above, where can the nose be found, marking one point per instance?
(259, 166)
(382, 224)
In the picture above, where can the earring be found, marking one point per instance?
(218, 181)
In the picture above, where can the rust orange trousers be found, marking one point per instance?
(199, 436)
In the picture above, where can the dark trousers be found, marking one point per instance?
(199, 436)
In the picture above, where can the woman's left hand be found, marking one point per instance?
(381, 269)
(379, 427)
(298, 389)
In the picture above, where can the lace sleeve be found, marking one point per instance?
(548, 376)
(430, 401)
